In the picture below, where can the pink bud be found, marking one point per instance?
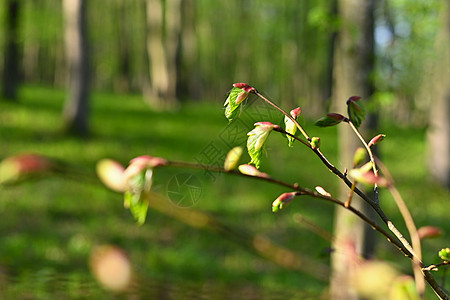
(282, 201)
(296, 112)
(251, 171)
(322, 191)
(245, 87)
(429, 232)
(375, 140)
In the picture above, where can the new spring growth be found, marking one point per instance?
(232, 159)
(290, 126)
(282, 201)
(375, 140)
(444, 254)
(256, 139)
(331, 119)
(139, 179)
(251, 171)
(315, 142)
(355, 110)
(359, 157)
(366, 176)
(237, 95)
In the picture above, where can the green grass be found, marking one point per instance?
(49, 227)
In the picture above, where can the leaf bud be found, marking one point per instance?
(250, 170)
(282, 201)
(232, 159)
(375, 140)
(315, 143)
(444, 254)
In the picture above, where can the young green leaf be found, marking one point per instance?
(330, 119)
(256, 139)
(290, 126)
(139, 181)
(237, 95)
(356, 111)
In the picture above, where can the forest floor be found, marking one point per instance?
(49, 227)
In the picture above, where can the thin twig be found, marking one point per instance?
(372, 159)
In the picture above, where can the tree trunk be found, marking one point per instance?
(76, 108)
(11, 56)
(353, 63)
(438, 135)
(162, 47)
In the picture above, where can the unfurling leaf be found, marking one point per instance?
(256, 139)
(237, 95)
(315, 142)
(251, 171)
(139, 179)
(232, 159)
(359, 157)
(444, 254)
(282, 201)
(429, 232)
(355, 110)
(330, 119)
(375, 140)
(290, 126)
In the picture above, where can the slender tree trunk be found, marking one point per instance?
(76, 109)
(162, 47)
(353, 63)
(438, 135)
(188, 78)
(11, 54)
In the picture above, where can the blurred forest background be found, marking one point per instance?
(129, 75)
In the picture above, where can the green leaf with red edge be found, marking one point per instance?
(236, 96)
(256, 139)
(356, 111)
(135, 197)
